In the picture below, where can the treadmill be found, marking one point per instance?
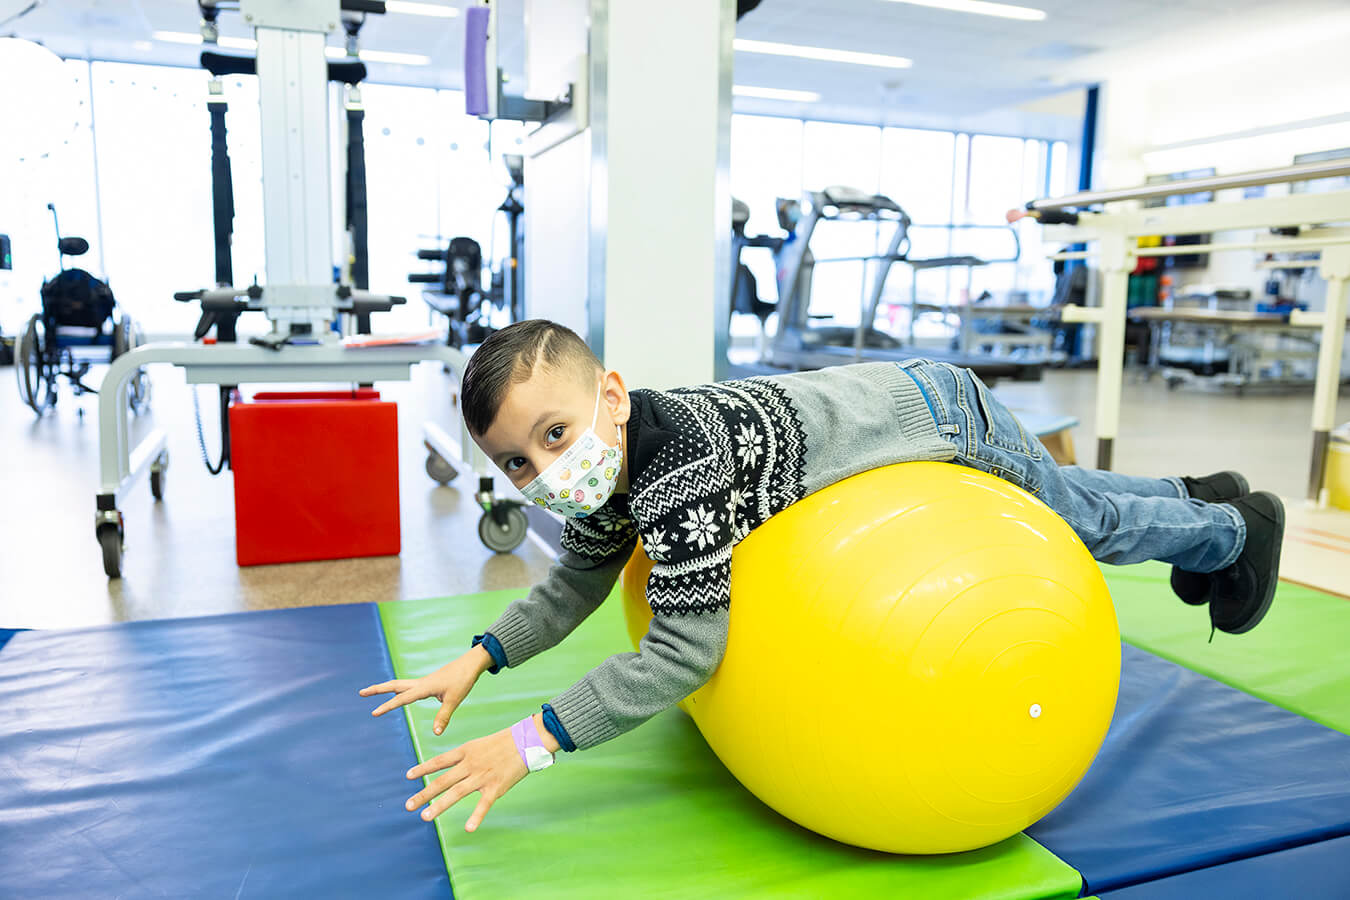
(800, 345)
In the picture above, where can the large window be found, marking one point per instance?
(943, 180)
(134, 177)
(64, 177)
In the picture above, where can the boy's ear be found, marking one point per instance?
(616, 397)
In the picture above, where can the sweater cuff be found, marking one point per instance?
(583, 716)
(515, 637)
(494, 649)
(556, 729)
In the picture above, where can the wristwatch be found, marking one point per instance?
(532, 750)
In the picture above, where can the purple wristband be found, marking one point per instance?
(525, 735)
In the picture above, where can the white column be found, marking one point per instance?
(628, 229)
(667, 204)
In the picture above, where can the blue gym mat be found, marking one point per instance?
(1194, 774)
(1320, 870)
(224, 756)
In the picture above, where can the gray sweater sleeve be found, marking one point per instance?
(573, 589)
(675, 658)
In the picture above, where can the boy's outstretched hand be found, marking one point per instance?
(490, 766)
(449, 684)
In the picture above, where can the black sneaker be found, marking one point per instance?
(1243, 591)
(1221, 487)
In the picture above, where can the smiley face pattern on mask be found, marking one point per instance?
(586, 479)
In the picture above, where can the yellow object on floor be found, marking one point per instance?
(1337, 479)
(922, 659)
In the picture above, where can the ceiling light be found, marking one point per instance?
(420, 9)
(184, 37)
(982, 8)
(767, 93)
(823, 53)
(382, 56)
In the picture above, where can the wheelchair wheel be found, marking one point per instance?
(37, 381)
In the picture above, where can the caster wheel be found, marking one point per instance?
(440, 470)
(110, 541)
(503, 538)
(158, 472)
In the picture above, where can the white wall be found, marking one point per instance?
(557, 233)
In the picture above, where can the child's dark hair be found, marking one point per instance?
(510, 356)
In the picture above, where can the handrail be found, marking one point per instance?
(1325, 169)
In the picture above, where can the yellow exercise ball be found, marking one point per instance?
(921, 659)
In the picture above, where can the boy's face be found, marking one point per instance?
(540, 418)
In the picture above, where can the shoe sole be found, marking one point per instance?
(1274, 562)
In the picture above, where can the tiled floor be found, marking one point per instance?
(180, 553)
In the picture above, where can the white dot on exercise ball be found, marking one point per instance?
(46, 106)
(1035, 711)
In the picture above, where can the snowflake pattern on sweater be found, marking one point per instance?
(737, 456)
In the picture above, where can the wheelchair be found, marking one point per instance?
(79, 327)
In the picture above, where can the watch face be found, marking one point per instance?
(537, 758)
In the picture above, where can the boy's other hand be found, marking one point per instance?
(489, 766)
(449, 684)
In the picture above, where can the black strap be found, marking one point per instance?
(357, 221)
(222, 192)
(347, 71)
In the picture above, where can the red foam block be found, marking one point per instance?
(314, 478)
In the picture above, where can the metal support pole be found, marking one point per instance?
(1111, 349)
(1335, 268)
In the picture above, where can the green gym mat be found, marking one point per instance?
(654, 811)
(1293, 659)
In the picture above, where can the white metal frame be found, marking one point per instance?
(299, 298)
(1115, 234)
(120, 465)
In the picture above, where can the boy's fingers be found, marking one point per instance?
(443, 716)
(437, 763)
(479, 811)
(457, 793)
(402, 699)
(385, 687)
(437, 787)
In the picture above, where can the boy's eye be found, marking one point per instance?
(556, 433)
(514, 463)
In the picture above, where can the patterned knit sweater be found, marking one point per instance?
(707, 465)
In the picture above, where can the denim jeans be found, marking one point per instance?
(1121, 518)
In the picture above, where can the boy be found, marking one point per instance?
(693, 471)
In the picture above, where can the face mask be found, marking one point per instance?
(583, 478)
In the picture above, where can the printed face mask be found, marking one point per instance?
(583, 478)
